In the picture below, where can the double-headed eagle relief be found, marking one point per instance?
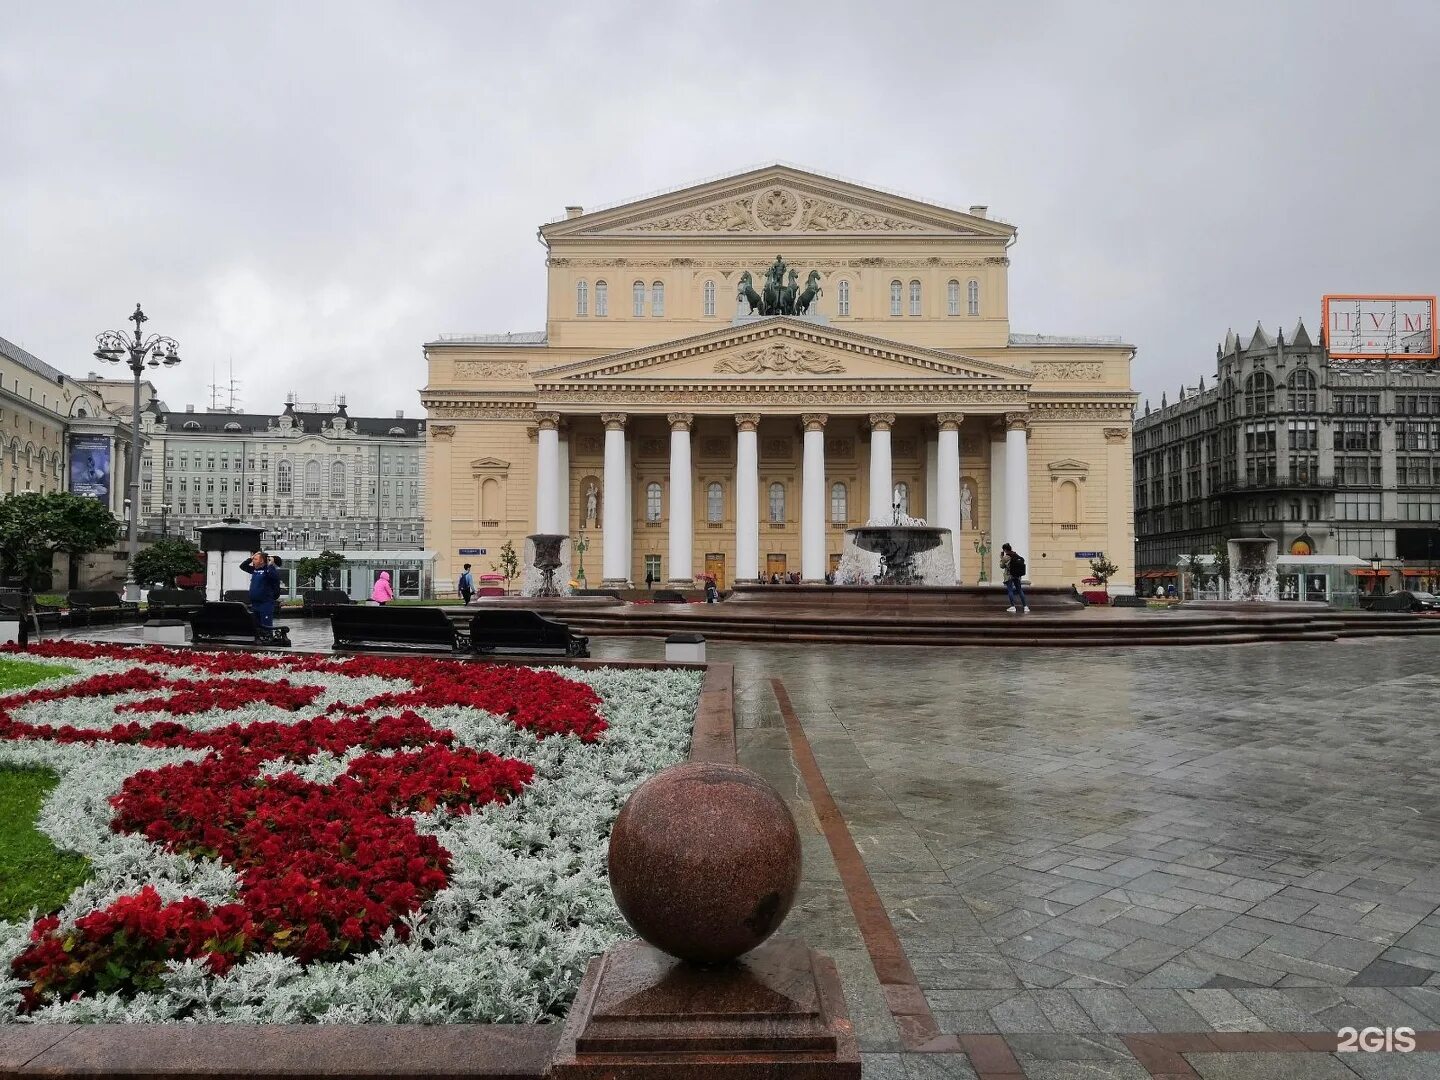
(781, 294)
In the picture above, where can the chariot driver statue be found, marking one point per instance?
(776, 274)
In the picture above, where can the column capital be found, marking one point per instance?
(548, 421)
(532, 432)
(614, 421)
(747, 421)
(950, 421)
(442, 431)
(681, 421)
(814, 421)
(1017, 421)
(882, 421)
(1112, 434)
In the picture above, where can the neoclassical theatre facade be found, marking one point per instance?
(731, 374)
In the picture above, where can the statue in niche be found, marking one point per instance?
(966, 506)
(591, 503)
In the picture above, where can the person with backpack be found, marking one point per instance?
(467, 585)
(1012, 565)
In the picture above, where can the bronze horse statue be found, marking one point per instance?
(789, 293)
(747, 292)
(806, 300)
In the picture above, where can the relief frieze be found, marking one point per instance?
(1069, 370)
(780, 358)
(489, 369)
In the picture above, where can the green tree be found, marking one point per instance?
(317, 570)
(509, 564)
(35, 526)
(165, 560)
(1102, 569)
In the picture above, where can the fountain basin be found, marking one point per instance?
(898, 547)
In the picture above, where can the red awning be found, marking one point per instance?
(1365, 571)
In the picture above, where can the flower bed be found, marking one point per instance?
(314, 838)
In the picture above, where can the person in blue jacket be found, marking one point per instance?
(264, 588)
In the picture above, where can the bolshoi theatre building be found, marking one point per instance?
(732, 374)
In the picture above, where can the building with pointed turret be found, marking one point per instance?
(1327, 457)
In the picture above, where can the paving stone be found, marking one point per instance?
(1112, 1010)
(1222, 1010)
(938, 1067)
(1393, 1066)
(1167, 1010)
(1020, 1013)
(1269, 1067)
(1278, 1010)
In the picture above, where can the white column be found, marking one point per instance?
(613, 524)
(947, 480)
(628, 536)
(547, 472)
(997, 524)
(932, 463)
(812, 503)
(682, 515)
(562, 489)
(1017, 483)
(747, 497)
(881, 484)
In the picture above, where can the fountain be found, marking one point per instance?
(547, 555)
(908, 551)
(1252, 576)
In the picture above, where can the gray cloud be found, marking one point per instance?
(316, 189)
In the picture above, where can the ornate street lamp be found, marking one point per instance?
(119, 346)
(581, 546)
(1379, 584)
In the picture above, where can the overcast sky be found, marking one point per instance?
(314, 189)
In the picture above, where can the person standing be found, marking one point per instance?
(1012, 565)
(467, 585)
(382, 593)
(264, 588)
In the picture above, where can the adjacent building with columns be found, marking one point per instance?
(683, 434)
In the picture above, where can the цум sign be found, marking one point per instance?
(1373, 327)
(472, 551)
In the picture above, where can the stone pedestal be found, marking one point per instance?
(166, 632)
(685, 649)
(10, 631)
(778, 1012)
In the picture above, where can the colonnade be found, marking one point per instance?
(1009, 484)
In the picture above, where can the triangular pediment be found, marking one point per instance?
(1069, 465)
(778, 200)
(781, 349)
(490, 463)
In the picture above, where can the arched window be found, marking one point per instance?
(657, 299)
(652, 502)
(337, 479)
(777, 503)
(709, 295)
(902, 496)
(972, 297)
(839, 504)
(490, 500)
(844, 308)
(952, 298)
(715, 504)
(896, 295)
(637, 299)
(1302, 390)
(1259, 394)
(602, 299)
(582, 298)
(1067, 503)
(914, 298)
(312, 479)
(282, 479)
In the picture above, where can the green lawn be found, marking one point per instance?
(32, 872)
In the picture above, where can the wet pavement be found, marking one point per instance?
(1077, 845)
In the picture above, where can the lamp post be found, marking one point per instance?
(120, 346)
(165, 509)
(581, 546)
(1378, 587)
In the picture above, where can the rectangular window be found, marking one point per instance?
(652, 568)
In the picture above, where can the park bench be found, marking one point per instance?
(489, 590)
(362, 627)
(39, 618)
(667, 596)
(231, 622)
(173, 603)
(319, 603)
(520, 630)
(88, 606)
(236, 596)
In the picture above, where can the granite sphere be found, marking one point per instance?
(705, 861)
